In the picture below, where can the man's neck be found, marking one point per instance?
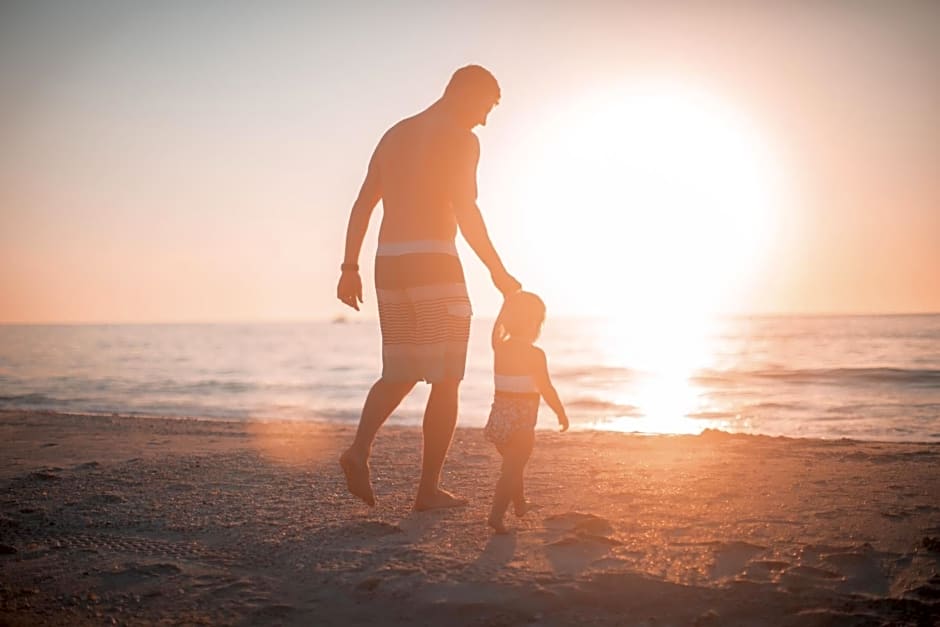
(447, 111)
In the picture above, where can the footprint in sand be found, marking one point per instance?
(371, 529)
(764, 570)
(862, 570)
(808, 577)
(570, 556)
(579, 528)
(585, 539)
(577, 521)
(732, 558)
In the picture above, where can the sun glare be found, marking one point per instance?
(662, 199)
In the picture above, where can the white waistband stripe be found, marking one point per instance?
(393, 249)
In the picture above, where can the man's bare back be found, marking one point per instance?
(424, 163)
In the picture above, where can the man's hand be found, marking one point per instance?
(349, 290)
(506, 283)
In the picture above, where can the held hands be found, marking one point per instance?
(349, 290)
(505, 283)
(563, 421)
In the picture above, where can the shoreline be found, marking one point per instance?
(540, 429)
(148, 520)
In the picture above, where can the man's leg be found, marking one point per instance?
(382, 400)
(440, 419)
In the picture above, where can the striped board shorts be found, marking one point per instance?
(424, 311)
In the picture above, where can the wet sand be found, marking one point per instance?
(140, 521)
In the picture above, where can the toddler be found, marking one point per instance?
(521, 377)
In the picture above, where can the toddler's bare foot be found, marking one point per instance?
(497, 525)
(527, 506)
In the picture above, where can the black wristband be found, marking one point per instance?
(354, 267)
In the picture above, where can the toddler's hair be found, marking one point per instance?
(520, 312)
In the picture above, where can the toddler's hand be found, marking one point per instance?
(506, 283)
(563, 421)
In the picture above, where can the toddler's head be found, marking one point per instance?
(520, 318)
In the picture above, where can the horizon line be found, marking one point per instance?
(352, 318)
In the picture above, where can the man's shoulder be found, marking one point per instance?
(399, 127)
(441, 125)
(444, 135)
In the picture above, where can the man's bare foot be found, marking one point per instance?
(527, 506)
(498, 527)
(357, 477)
(439, 500)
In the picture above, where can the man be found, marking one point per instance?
(424, 171)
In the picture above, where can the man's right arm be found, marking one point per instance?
(469, 218)
(349, 290)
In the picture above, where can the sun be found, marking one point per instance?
(649, 199)
(651, 204)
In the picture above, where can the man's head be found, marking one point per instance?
(471, 94)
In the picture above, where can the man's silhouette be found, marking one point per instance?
(424, 171)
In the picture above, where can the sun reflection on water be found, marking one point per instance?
(666, 354)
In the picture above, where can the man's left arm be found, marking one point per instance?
(470, 220)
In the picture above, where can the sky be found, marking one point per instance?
(196, 161)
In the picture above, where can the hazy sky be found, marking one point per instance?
(196, 161)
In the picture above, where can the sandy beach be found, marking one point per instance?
(123, 520)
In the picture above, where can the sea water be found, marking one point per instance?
(862, 377)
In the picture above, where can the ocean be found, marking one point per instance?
(860, 377)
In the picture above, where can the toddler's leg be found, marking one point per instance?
(515, 456)
(520, 505)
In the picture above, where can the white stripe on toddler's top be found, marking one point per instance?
(393, 249)
(515, 383)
